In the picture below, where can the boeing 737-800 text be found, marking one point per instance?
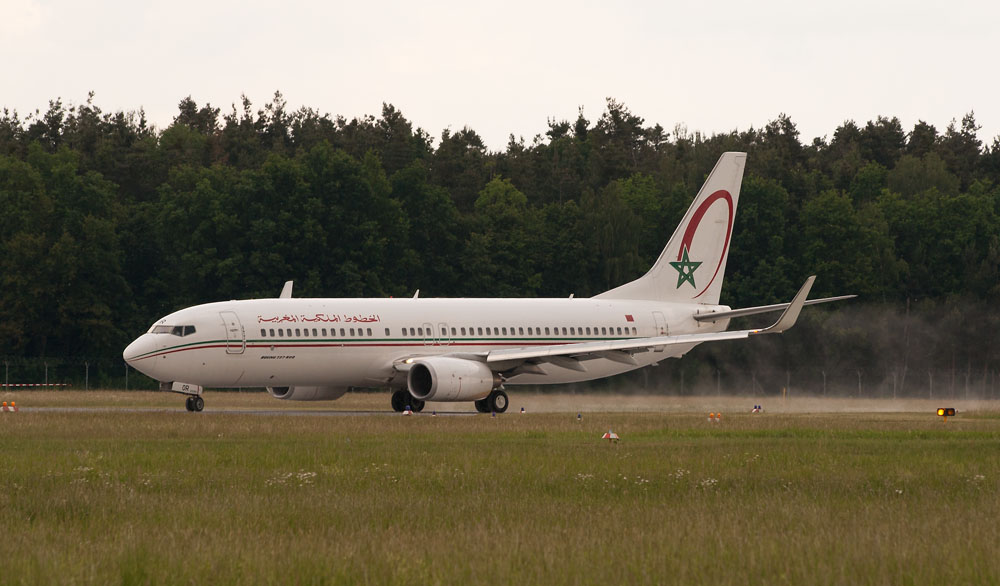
(465, 349)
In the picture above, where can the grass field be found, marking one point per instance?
(806, 493)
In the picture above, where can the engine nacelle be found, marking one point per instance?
(443, 378)
(307, 393)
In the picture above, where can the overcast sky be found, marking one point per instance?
(506, 68)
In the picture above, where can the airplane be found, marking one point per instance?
(465, 350)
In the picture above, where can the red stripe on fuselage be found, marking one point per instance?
(360, 345)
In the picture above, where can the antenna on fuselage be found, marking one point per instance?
(286, 291)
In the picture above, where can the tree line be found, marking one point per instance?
(109, 222)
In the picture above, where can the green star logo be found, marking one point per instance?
(685, 269)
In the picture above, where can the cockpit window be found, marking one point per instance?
(180, 331)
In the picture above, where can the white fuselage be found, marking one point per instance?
(359, 342)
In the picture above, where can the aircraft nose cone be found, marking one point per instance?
(135, 352)
(131, 351)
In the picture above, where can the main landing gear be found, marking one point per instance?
(402, 398)
(194, 403)
(495, 402)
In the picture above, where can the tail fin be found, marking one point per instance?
(691, 267)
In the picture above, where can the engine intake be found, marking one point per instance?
(444, 378)
(307, 393)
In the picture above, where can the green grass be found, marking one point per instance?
(800, 498)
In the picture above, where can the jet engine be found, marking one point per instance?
(444, 378)
(307, 393)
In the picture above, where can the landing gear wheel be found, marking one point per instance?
(497, 401)
(189, 404)
(482, 406)
(417, 405)
(400, 399)
(197, 404)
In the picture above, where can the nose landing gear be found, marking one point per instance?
(194, 403)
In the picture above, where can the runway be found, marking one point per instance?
(262, 412)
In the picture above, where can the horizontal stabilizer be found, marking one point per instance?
(718, 315)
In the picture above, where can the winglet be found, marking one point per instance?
(791, 313)
(286, 291)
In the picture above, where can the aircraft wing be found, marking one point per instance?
(621, 350)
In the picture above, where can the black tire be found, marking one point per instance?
(482, 405)
(497, 401)
(188, 404)
(198, 403)
(417, 405)
(400, 399)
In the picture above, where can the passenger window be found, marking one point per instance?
(453, 332)
(505, 331)
(413, 332)
(323, 331)
(352, 331)
(546, 331)
(263, 332)
(633, 331)
(564, 331)
(572, 331)
(342, 332)
(520, 331)
(314, 332)
(297, 333)
(281, 333)
(463, 331)
(529, 331)
(480, 331)
(368, 331)
(588, 331)
(272, 333)
(289, 332)
(420, 331)
(604, 331)
(619, 331)
(404, 332)
(387, 331)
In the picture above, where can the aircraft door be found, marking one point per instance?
(428, 334)
(236, 338)
(661, 328)
(443, 338)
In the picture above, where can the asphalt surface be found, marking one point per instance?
(211, 411)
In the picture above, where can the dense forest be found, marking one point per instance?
(109, 223)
